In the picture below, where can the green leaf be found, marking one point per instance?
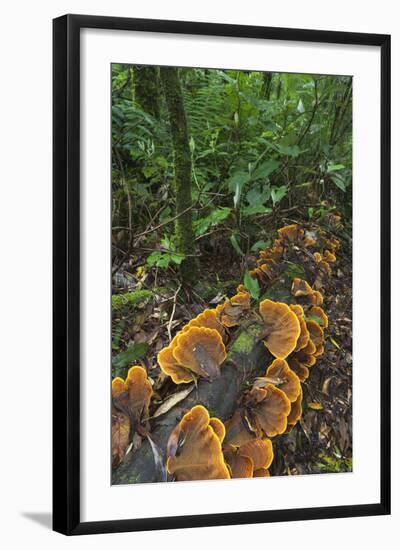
(235, 244)
(300, 106)
(177, 259)
(255, 196)
(335, 167)
(288, 150)
(236, 183)
(314, 318)
(265, 169)
(278, 292)
(255, 209)
(216, 216)
(260, 245)
(252, 285)
(131, 299)
(154, 258)
(277, 193)
(339, 183)
(133, 353)
(293, 270)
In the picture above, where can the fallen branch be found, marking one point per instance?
(248, 357)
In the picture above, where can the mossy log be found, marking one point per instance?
(247, 357)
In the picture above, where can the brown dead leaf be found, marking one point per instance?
(120, 431)
(173, 400)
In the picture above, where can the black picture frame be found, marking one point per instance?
(66, 272)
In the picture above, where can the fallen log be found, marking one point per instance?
(247, 358)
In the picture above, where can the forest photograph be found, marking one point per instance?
(231, 247)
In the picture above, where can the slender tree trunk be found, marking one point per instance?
(147, 86)
(183, 172)
(267, 85)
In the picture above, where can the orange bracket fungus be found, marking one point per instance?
(299, 369)
(302, 288)
(289, 382)
(295, 412)
(282, 328)
(291, 232)
(208, 319)
(316, 336)
(197, 351)
(230, 312)
(267, 410)
(194, 448)
(239, 466)
(306, 356)
(170, 366)
(237, 430)
(200, 350)
(316, 298)
(200, 447)
(329, 256)
(133, 398)
(246, 460)
(130, 412)
(304, 334)
(319, 314)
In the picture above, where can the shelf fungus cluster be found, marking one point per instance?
(201, 446)
(195, 352)
(198, 350)
(194, 449)
(130, 412)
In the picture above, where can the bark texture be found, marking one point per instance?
(183, 172)
(147, 89)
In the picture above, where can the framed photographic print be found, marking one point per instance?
(221, 274)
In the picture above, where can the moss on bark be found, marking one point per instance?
(183, 172)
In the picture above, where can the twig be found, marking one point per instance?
(173, 312)
(316, 103)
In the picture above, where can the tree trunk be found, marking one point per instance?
(267, 85)
(147, 86)
(247, 358)
(183, 172)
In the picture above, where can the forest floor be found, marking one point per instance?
(322, 440)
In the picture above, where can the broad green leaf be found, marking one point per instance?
(236, 183)
(218, 215)
(177, 259)
(133, 353)
(339, 183)
(265, 169)
(252, 285)
(153, 258)
(277, 193)
(255, 196)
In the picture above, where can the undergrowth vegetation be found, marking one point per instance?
(207, 165)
